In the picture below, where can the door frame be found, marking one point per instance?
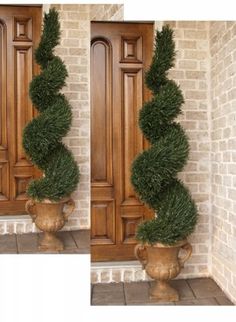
(99, 252)
(18, 10)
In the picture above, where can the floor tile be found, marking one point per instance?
(136, 292)
(82, 239)
(8, 244)
(205, 288)
(205, 301)
(67, 239)
(27, 243)
(182, 287)
(110, 294)
(223, 300)
(108, 287)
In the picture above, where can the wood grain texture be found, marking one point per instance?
(120, 53)
(20, 29)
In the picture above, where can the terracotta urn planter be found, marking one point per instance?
(162, 263)
(50, 217)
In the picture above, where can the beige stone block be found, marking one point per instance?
(198, 259)
(78, 51)
(75, 7)
(193, 188)
(187, 24)
(176, 74)
(189, 44)
(138, 275)
(77, 87)
(20, 228)
(105, 277)
(194, 115)
(56, 6)
(2, 228)
(189, 125)
(232, 194)
(195, 54)
(128, 275)
(116, 276)
(187, 64)
(70, 61)
(196, 95)
(172, 24)
(232, 94)
(203, 85)
(195, 34)
(232, 169)
(10, 228)
(187, 84)
(70, 24)
(195, 75)
(73, 42)
(61, 51)
(200, 177)
(94, 277)
(190, 104)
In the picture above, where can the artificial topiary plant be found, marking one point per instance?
(42, 137)
(154, 172)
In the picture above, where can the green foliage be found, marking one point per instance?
(42, 137)
(155, 170)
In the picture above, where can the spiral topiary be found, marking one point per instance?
(154, 172)
(42, 137)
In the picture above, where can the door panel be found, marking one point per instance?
(20, 29)
(120, 53)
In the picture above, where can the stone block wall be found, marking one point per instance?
(223, 154)
(192, 74)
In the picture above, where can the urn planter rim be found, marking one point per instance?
(161, 245)
(48, 201)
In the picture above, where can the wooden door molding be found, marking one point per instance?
(120, 54)
(20, 29)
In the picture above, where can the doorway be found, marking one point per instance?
(120, 54)
(20, 29)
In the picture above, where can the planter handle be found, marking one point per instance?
(140, 252)
(30, 207)
(188, 248)
(70, 208)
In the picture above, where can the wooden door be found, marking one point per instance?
(120, 54)
(20, 29)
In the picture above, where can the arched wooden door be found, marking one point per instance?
(20, 29)
(120, 54)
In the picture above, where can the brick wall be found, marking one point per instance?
(223, 135)
(192, 74)
(74, 50)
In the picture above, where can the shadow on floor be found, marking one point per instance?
(75, 242)
(198, 291)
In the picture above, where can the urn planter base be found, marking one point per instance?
(50, 242)
(50, 217)
(163, 263)
(163, 292)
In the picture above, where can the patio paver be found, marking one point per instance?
(205, 287)
(198, 291)
(8, 244)
(76, 242)
(109, 294)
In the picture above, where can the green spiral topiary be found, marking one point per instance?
(154, 172)
(42, 137)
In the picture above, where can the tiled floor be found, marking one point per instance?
(75, 242)
(199, 291)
